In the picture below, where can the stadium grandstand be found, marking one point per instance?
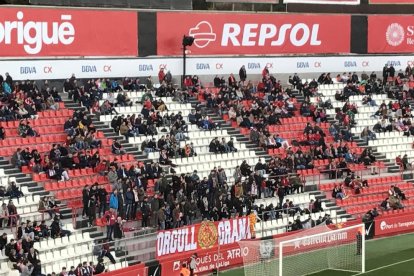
(178, 138)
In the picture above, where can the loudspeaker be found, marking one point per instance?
(188, 40)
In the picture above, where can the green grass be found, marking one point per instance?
(384, 257)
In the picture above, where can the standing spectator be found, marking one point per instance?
(3, 241)
(4, 214)
(102, 194)
(161, 218)
(113, 200)
(110, 217)
(146, 211)
(92, 208)
(242, 74)
(193, 261)
(85, 200)
(105, 252)
(118, 233)
(13, 216)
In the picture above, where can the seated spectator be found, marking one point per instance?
(188, 151)
(368, 135)
(385, 205)
(100, 267)
(164, 159)
(339, 193)
(214, 146)
(25, 269)
(400, 193)
(13, 191)
(56, 230)
(2, 133)
(395, 203)
(296, 183)
(25, 130)
(117, 148)
(280, 142)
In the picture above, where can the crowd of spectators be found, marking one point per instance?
(20, 251)
(186, 197)
(24, 99)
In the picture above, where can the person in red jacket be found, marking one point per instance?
(265, 72)
(161, 75)
(110, 217)
(188, 82)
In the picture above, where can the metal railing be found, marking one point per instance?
(136, 247)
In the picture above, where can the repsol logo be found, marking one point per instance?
(302, 64)
(350, 64)
(89, 69)
(27, 70)
(145, 67)
(253, 65)
(202, 66)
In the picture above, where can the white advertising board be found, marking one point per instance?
(110, 68)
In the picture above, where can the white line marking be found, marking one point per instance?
(385, 266)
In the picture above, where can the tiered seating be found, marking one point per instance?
(200, 139)
(278, 226)
(358, 204)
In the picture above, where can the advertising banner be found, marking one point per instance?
(65, 32)
(246, 1)
(204, 235)
(329, 2)
(119, 68)
(136, 270)
(207, 260)
(394, 224)
(391, 1)
(253, 34)
(390, 34)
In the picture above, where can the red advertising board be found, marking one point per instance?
(205, 235)
(390, 34)
(65, 32)
(329, 2)
(394, 224)
(253, 34)
(136, 270)
(391, 1)
(207, 260)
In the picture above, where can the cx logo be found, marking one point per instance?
(47, 69)
(107, 68)
(269, 65)
(219, 65)
(317, 64)
(365, 63)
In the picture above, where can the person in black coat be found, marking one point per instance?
(3, 241)
(85, 200)
(118, 233)
(102, 195)
(100, 267)
(242, 73)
